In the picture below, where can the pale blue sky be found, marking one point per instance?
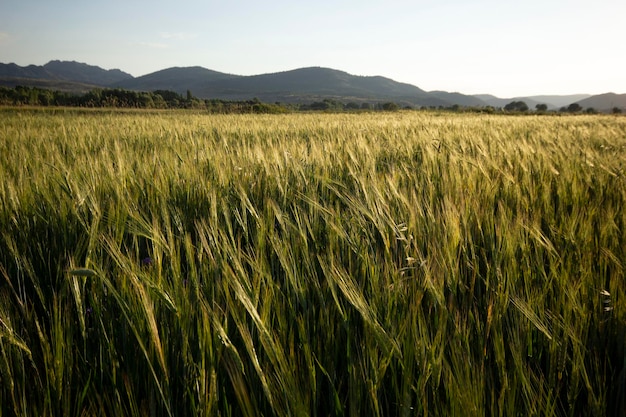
(485, 46)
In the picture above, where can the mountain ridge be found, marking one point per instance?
(553, 102)
(297, 86)
(605, 102)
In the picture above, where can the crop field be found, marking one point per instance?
(369, 264)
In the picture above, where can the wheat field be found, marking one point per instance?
(371, 264)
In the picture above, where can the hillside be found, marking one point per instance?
(306, 84)
(557, 101)
(604, 102)
(458, 98)
(50, 84)
(302, 85)
(554, 102)
(295, 86)
(29, 72)
(175, 79)
(68, 71)
(299, 85)
(83, 73)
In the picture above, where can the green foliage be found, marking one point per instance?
(516, 106)
(390, 106)
(325, 105)
(574, 108)
(119, 98)
(391, 264)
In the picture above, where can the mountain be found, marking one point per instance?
(604, 102)
(501, 102)
(554, 102)
(58, 85)
(32, 71)
(83, 73)
(316, 83)
(299, 85)
(323, 81)
(459, 99)
(296, 86)
(63, 72)
(175, 79)
(302, 85)
(559, 101)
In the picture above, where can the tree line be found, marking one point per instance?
(165, 99)
(120, 98)
(522, 107)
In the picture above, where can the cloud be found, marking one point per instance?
(178, 36)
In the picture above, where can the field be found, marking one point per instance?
(388, 264)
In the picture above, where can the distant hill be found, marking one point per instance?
(83, 73)
(604, 102)
(553, 102)
(559, 101)
(315, 83)
(299, 85)
(60, 71)
(58, 85)
(459, 99)
(32, 71)
(501, 102)
(175, 79)
(303, 85)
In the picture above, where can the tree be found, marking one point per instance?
(145, 101)
(390, 106)
(616, 110)
(158, 101)
(319, 105)
(172, 98)
(574, 108)
(519, 106)
(541, 107)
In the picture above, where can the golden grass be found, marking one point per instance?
(174, 263)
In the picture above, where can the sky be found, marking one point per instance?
(505, 48)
